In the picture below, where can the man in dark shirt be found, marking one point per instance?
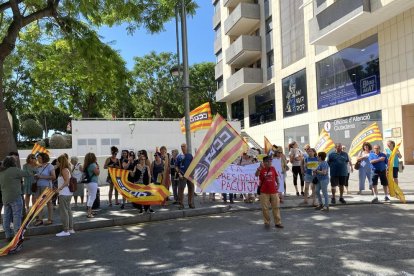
(181, 165)
(378, 162)
(338, 166)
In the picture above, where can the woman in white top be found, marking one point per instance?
(64, 197)
(296, 157)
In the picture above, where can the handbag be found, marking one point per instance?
(357, 165)
(315, 180)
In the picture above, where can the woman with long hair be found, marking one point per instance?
(364, 171)
(30, 166)
(91, 170)
(141, 175)
(65, 195)
(322, 174)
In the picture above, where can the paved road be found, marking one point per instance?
(350, 240)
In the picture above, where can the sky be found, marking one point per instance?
(199, 32)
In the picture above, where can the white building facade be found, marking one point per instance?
(289, 68)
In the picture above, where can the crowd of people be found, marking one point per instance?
(314, 170)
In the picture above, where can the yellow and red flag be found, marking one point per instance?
(200, 118)
(38, 148)
(325, 142)
(393, 187)
(267, 145)
(137, 193)
(16, 244)
(369, 134)
(220, 147)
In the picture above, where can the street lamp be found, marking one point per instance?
(131, 127)
(185, 72)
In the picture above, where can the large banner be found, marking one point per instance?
(295, 97)
(220, 147)
(137, 193)
(200, 118)
(370, 134)
(16, 244)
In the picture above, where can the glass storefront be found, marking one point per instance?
(237, 112)
(262, 106)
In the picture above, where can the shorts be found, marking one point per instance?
(338, 181)
(308, 178)
(395, 172)
(382, 175)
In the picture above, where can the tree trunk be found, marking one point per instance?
(7, 142)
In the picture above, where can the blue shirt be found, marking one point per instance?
(396, 160)
(338, 163)
(183, 162)
(322, 166)
(380, 166)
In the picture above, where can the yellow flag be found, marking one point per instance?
(393, 187)
(325, 142)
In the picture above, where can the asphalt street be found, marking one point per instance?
(351, 240)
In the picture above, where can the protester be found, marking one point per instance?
(142, 175)
(44, 177)
(91, 170)
(310, 164)
(77, 173)
(157, 169)
(183, 162)
(112, 162)
(10, 185)
(30, 166)
(269, 192)
(65, 195)
(338, 161)
(364, 171)
(379, 162)
(398, 156)
(296, 157)
(174, 175)
(321, 173)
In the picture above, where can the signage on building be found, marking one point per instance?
(344, 130)
(295, 100)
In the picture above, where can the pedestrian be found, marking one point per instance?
(269, 192)
(112, 162)
(157, 169)
(379, 162)
(338, 162)
(77, 173)
(65, 195)
(10, 185)
(141, 174)
(310, 164)
(44, 179)
(322, 175)
(91, 170)
(183, 162)
(350, 169)
(398, 156)
(364, 171)
(296, 157)
(30, 166)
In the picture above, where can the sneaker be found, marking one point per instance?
(71, 231)
(63, 234)
(297, 193)
(333, 201)
(342, 200)
(387, 198)
(279, 226)
(122, 206)
(375, 200)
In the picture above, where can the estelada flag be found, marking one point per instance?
(137, 193)
(220, 147)
(369, 134)
(16, 244)
(38, 148)
(325, 142)
(393, 187)
(200, 118)
(267, 145)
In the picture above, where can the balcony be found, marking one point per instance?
(234, 3)
(345, 19)
(244, 50)
(244, 18)
(218, 70)
(243, 81)
(216, 18)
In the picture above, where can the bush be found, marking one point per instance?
(68, 138)
(57, 141)
(31, 129)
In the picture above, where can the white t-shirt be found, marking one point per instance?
(65, 191)
(295, 153)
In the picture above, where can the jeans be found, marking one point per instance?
(323, 184)
(65, 212)
(12, 212)
(364, 173)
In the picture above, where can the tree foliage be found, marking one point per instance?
(31, 129)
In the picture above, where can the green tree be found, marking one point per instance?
(31, 129)
(18, 15)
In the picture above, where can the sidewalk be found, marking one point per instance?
(114, 216)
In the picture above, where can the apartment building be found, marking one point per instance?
(289, 68)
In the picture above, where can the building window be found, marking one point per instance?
(217, 32)
(262, 106)
(292, 31)
(237, 112)
(269, 25)
(351, 74)
(219, 82)
(110, 142)
(219, 56)
(300, 134)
